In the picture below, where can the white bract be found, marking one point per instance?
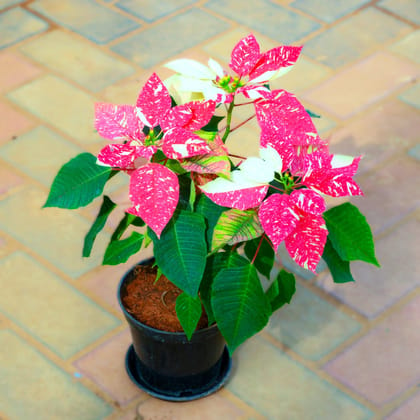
(174, 83)
(253, 172)
(197, 78)
(339, 161)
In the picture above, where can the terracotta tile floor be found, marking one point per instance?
(341, 352)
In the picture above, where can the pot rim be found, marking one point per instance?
(145, 326)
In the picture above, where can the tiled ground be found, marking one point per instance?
(339, 352)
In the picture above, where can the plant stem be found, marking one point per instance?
(242, 123)
(277, 188)
(258, 248)
(237, 156)
(228, 120)
(268, 241)
(245, 103)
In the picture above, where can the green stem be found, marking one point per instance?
(228, 120)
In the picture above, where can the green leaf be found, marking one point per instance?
(206, 135)
(211, 212)
(188, 311)
(171, 164)
(208, 164)
(181, 250)
(239, 304)
(312, 114)
(120, 251)
(106, 208)
(265, 258)
(340, 269)
(185, 190)
(213, 124)
(215, 263)
(137, 221)
(147, 239)
(78, 182)
(281, 290)
(236, 226)
(215, 162)
(350, 234)
(193, 195)
(159, 274)
(221, 260)
(126, 221)
(205, 295)
(173, 102)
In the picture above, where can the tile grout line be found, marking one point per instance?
(316, 369)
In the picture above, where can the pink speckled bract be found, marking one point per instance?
(120, 155)
(275, 59)
(154, 191)
(191, 116)
(153, 101)
(336, 182)
(283, 217)
(201, 113)
(287, 127)
(117, 122)
(179, 143)
(244, 199)
(277, 217)
(246, 58)
(245, 55)
(306, 243)
(284, 114)
(178, 116)
(308, 201)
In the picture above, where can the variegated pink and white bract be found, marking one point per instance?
(120, 122)
(154, 191)
(296, 219)
(288, 128)
(247, 60)
(327, 174)
(154, 188)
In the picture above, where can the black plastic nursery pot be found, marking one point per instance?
(169, 366)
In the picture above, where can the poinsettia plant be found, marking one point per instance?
(216, 219)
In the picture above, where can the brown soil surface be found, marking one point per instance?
(153, 303)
